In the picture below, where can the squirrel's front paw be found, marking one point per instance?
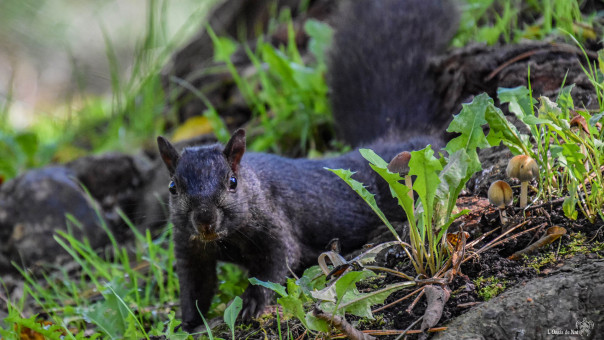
(255, 298)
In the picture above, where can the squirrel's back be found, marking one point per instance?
(378, 69)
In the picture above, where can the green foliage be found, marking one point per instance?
(567, 156)
(494, 21)
(232, 283)
(287, 95)
(438, 182)
(20, 151)
(340, 296)
(130, 289)
(230, 314)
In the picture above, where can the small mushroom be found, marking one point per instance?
(524, 168)
(400, 164)
(500, 195)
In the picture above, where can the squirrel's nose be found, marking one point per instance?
(204, 220)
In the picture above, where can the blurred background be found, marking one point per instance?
(54, 53)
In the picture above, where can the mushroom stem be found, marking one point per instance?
(503, 217)
(523, 193)
(409, 185)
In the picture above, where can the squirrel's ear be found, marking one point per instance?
(168, 153)
(235, 149)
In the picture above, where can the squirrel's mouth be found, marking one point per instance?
(207, 232)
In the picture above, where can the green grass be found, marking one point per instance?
(510, 21)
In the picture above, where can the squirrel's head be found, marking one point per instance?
(205, 194)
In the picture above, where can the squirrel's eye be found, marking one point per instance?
(172, 187)
(232, 183)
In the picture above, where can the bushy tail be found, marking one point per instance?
(378, 68)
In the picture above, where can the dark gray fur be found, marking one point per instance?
(284, 212)
(378, 70)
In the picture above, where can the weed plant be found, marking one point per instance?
(287, 94)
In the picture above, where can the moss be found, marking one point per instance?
(578, 244)
(490, 287)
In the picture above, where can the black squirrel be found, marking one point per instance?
(268, 213)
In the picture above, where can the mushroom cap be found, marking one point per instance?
(522, 167)
(579, 121)
(500, 194)
(400, 163)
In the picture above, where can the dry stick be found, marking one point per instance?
(408, 328)
(340, 323)
(492, 243)
(391, 271)
(302, 336)
(482, 237)
(412, 305)
(397, 301)
(394, 332)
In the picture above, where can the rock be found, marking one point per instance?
(566, 303)
(33, 207)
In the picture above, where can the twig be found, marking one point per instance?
(397, 301)
(412, 305)
(408, 328)
(340, 323)
(302, 336)
(495, 242)
(468, 304)
(394, 332)
(557, 201)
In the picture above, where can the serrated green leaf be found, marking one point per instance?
(316, 324)
(426, 168)
(279, 289)
(373, 158)
(565, 100)
(469, 124)
(368, 197)
(293, 306)
(453, 179)
(572, 158)
(360, 304)
(53, 332)
(348, 281)
(500, 130)
(397, 189)
(519, 100)
(109, 315)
